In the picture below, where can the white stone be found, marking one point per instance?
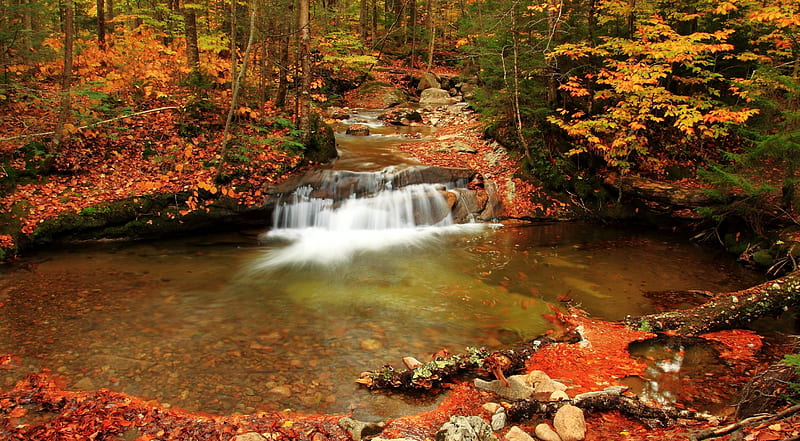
(559, 395)
(517, 434)
(546, 433)
(569, 423)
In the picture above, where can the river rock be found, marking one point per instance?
(370, 344)
(436, 97)
(569, 423)
(338, 113)
(360, 429)
(465, 428)
(516, 389)
(559, 395)
(517, 434)
(284, 391)
(499, 421)
(535, 377)
(249, 436)
(400, 117)
(545, 433)
(357, 130)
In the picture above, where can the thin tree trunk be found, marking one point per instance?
(431, 33)
(237, 83)
(413, 25)
(66, 79)
(374, 24)
(516, 75)
(110, 12)
(234, 59)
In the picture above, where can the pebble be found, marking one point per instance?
(517, 434)
(558, 395)
(491, 408)
(535, 377)
(281, 390)
(569, 423)
(546, 433)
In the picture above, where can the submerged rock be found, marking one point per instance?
(359, 429)
(465, 428)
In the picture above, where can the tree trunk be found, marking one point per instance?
(66, 79)
(727, 310)
(283, 69)
(363, 20)
(192, 49)
(110, 12)
(304, 121)
(101, 24)
(234, 46)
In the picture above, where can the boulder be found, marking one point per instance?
(429, 80)
(436, 97)
(465, 428)
(569, 423)
(357, 130)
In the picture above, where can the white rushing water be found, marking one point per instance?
(373, 217)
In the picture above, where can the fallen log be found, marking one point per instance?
(716, 432)
(426, 376)
(728, 310)
(611, 398)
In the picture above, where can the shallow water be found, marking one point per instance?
(236, 323)
(196, 324)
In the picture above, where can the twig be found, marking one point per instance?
(93, 124)
(722, 431)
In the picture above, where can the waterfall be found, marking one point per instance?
(342, 214)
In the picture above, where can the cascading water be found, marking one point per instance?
(346, 213)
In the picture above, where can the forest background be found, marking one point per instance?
(224, 94)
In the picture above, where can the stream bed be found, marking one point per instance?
(222, 324)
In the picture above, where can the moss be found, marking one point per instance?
(763, 258)
(645, 326)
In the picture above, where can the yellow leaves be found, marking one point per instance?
(462, 41)
(725, 7)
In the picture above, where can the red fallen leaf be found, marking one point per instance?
(18, 412)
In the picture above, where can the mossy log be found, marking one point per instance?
(430, 375)
(728, 310)
(611, 398)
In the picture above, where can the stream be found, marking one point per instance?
(252, 321)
